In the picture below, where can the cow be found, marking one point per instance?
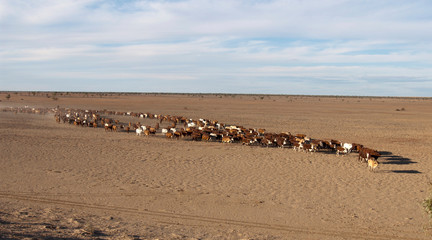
(363, 155)
(177, 135)
(301, 135)
(247, 140)
(138, 131)
(296, 144)
(348, 147)
(169, 135)
(280, 142)
(267, 141)
(196, 136)
(227, 139)
(356, 147)
(309, 147)
(108, 127)
(152, 130)
(344, 149)
(205, 137)
(366, 153)
(165, 130)
(372, 164)
(316, 144)
(340, 150)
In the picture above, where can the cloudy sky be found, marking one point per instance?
(318, 47)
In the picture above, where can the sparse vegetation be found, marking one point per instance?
(89, 229)
(8, 96)
(54, 96)
(427, 203)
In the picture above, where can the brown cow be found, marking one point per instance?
(227, 139)
(340, 150)
(247, 140)
(152, 130)
(356, 147)
(309, 147)
(196, 136)
(108, 127)
(205, 137)
(301, 135)
(267, 141)
(280, 142)
(177, 135)
(366, 153)
(169, 135)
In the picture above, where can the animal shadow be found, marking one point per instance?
(400, 171)
(406, 171)
(390, 158)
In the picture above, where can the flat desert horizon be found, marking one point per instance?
(64, 181)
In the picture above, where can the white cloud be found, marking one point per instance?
(197, 40)
(153, 20)
(348, 73)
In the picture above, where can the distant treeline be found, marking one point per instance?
(111, 94)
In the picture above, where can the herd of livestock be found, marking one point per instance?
(179, 127)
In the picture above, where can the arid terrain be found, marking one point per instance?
(62, 181)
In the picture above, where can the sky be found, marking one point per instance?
(311, 47)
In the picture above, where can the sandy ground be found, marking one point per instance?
(63, 181)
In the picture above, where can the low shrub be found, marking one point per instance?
(427, 203)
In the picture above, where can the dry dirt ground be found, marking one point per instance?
(59, 181)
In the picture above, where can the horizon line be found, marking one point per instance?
(215, 93)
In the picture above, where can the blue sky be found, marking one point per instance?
(325, 47)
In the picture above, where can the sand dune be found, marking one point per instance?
(63, 180)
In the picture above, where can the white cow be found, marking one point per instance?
(138, 131)
(165, 131)
(348, 147)
(344, 149)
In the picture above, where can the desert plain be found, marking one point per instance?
(60, 181)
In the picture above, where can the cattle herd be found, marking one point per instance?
(179, 127)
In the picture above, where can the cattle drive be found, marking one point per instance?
(204, 130)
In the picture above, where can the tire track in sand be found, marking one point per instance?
(212, 220)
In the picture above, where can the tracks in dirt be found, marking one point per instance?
(187, 217)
